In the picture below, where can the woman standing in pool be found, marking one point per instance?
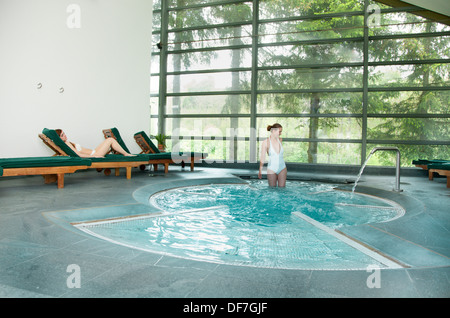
(276, 168)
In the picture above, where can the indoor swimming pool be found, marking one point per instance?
(251, 224)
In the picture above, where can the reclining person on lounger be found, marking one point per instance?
(100, 151)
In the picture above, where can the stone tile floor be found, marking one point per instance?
(36, 250)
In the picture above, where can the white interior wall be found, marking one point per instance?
(101, 59)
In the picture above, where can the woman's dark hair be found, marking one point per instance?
(58, 131)
(274, 126)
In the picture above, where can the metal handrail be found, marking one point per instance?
(397, 166)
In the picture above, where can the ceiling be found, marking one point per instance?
(437, 10)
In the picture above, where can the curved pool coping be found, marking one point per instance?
(379, 237)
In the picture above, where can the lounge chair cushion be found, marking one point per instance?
(439, 166)
(32, 162)
(427, 162)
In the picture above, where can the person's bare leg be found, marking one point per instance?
(115, 145)
(282, 176)
(106, 146)
(271, 178)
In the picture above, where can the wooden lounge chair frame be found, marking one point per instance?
(97, 165)
(441, 172)
(50, 174)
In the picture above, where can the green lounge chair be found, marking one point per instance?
(439, 166)
(423, 163)
(155, 158)
(148, 146)
(52, 169)
(51, 139)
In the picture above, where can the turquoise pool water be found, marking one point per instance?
(253, 225)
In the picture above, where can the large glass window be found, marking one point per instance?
(341, 76)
